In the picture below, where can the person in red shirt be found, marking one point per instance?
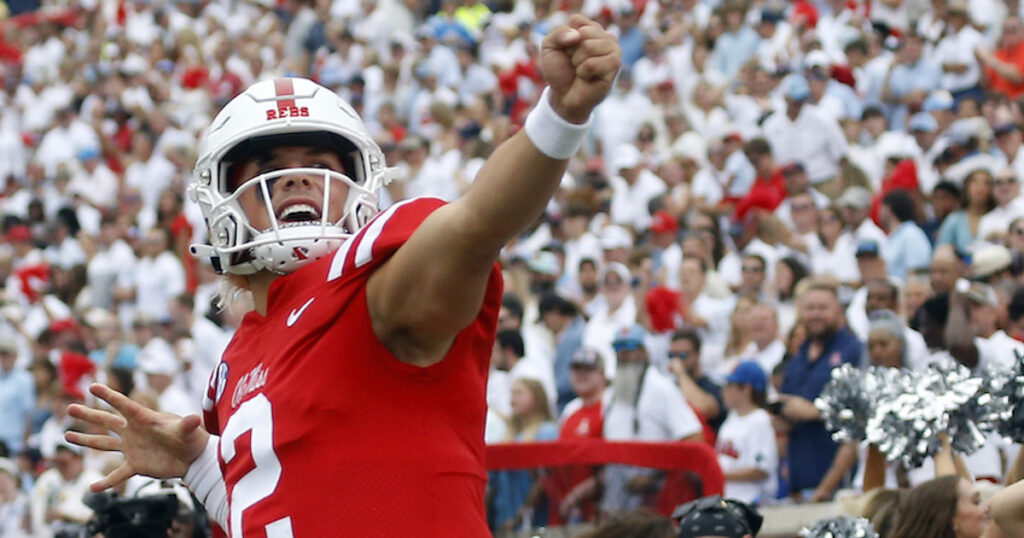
(352, 397)
(582, 418)
(1004, 67)
(769, 189)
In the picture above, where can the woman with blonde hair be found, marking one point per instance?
(518, 501)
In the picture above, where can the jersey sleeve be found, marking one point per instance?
(381, 238)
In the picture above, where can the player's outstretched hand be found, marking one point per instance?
(160, 445)
(579, 61)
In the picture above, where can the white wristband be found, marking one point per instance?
(551, 133)
(206, 481)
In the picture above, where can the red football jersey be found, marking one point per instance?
(325, 433)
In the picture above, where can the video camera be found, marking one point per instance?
(116, 517)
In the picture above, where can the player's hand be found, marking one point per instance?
(579, 61)
(160, 445)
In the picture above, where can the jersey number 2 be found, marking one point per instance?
(254, 415)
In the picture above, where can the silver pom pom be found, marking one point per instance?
(919, 406)
(1008, 389)
(848, 400)
(840, 527)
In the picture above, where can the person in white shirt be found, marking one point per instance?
(710, 316)
(57, 498)
(162, 371)
(508, 356)
(645, 405)
(633, 187)
(955, 51)
(746, 440)
(617, 310)
(801, 133)
(94, 181)
(209, 342)
(158, 276)
(1009, 205)
(855, 204)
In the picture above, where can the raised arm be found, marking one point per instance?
(434, 285)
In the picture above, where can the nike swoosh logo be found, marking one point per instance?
(297, 312)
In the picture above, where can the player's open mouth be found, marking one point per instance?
(299, 212)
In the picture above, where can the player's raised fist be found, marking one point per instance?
(579, 61)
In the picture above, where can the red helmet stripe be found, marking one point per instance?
(285, 93)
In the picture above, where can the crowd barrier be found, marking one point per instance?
(691, 469)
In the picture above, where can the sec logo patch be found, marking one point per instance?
(222, 381)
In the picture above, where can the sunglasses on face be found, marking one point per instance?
(752, 269)
(1018, 231)
(1004, 181)
(682, 355)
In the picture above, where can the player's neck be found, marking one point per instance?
(259, 285)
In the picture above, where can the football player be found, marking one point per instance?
(351, 399)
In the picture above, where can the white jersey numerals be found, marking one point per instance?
(254, 415)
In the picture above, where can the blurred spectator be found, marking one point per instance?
(907, 248)
(14, 509)
(645, 405)
(816, 466)
(700, 392)
(17, 394)
(517, 494)
(57, 498)
(561, 317)
(746, 440)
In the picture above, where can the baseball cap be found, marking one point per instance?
(1005, 128)
(792, 168)
(664, 222)
(545, 263)
(938, 100)
(626, 156)
(749, 373)
(867, 248)
(797, 88)
(717, 516)
(990, 260)
(629, 338)
(88, 153)
(8, 466)
(923, 122)
(157, 357)
(587, 357)
(19, 232)
(856, 197)
(982, 294)
(613, 237)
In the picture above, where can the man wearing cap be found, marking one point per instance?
(17, 397)
(796, 180)
(13, 502)
(976, 305)
(645, 405)
(616, 243)
(925, 130)
(617, 310)
(855, 204)
(666, 252)
(803, 134)
(911, 76)
(993, 265)
(57, 497)
(162, 368)
(715, 517)
(1009, 206)
(583, 418)
(633, 187)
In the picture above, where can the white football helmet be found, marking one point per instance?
(269, 114)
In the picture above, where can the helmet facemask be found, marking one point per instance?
(300, 233)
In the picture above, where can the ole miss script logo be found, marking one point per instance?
(286, 107)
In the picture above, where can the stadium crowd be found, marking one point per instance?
(772, 190)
